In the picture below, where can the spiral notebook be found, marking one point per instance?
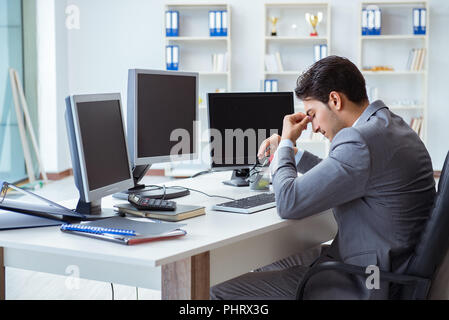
(126, 231)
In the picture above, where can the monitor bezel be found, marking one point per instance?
(221, 167)
(95, 194)
(132, 127)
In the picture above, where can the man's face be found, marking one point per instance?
(325, 118)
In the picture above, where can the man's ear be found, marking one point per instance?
(335, 101)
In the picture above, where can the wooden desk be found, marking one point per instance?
(218, 246)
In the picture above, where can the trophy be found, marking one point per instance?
(314, 20)
(273, 21)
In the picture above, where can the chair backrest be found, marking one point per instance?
(434, 243)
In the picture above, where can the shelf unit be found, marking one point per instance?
(296, 49)
(196, 48)
(403, 90)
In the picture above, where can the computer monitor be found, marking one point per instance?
(239, 123)
(161, 124)
(98, 149)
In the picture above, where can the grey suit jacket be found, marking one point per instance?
(378, 178)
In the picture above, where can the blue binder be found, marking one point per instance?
(224, 23)
(175, 23)
(172, 57)
(212, 15)
(218, 24)
(271, 85)
(377, 22)
(419, 21)
(423, 21)
(370, 29)
(364, 22)
(168, 24)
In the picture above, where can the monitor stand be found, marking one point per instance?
(153, 192)
(94, 211)
(239, 178)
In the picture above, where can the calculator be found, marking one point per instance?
(146, 203)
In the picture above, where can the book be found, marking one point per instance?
(182, 212)
(280, 67)
(271, 64)
(126, 231)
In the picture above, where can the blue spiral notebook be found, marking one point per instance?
(126, 231)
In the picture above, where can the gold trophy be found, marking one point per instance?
(314, 21)
(273, 21)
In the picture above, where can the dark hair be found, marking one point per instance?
(332, 73)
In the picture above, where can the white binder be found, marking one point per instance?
(168, 23)
(274, 86)
(224, 20)
(174, 22)
(218, 24)
(317, 52)
(168, 55)
(422, 22)
(377, 21)
(370, 21)
(323, 49)
(175, 51)
(267, 85)
(212, 23)
(364, 22)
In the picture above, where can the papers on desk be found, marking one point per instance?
(126, 231)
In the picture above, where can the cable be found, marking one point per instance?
(137, 293)
(194, 190)
(208, 195)
(112, 287)
(201, 173)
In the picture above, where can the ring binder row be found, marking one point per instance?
(172, 23)
(271, 85)
(218, 23)
(172, 57)
(320, 51)
(419, 20)
(371, 21)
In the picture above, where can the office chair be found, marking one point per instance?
(429, 252)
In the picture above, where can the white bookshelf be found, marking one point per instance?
(196, 48)
(296, 49)
(403, 90)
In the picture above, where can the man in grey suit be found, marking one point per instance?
(378, 179)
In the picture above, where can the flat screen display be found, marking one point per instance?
(165, 103)
(103, 143)
(242, 121)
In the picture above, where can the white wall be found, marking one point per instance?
(116, 35)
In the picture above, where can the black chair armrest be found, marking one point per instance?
(421, 284)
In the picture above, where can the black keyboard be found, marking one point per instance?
(251, 204)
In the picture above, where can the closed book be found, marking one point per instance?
(182, 212)
(279, 62)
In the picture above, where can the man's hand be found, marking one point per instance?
(269, 146)
(294, 125)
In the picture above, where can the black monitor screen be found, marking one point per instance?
(104, 143)
(165, 103)
(239, 122)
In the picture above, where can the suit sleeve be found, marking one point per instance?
(338, 179)
(307, 162)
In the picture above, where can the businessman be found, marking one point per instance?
(377, 178)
